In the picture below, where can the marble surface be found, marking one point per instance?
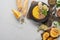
(11, 29)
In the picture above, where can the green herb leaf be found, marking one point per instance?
(44, 12)
(58, 3)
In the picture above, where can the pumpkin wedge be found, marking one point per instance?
(16, 13)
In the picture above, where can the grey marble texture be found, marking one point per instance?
(11, 29)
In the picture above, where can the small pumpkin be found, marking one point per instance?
(54, 32)
(45, 35)
(50, 38)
